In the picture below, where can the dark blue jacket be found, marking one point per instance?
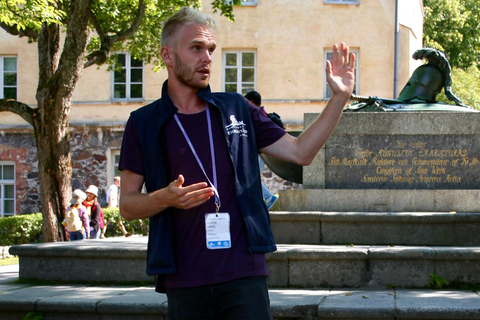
(149, 123)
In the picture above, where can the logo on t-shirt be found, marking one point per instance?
(236, 127)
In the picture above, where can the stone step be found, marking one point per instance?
(378, 200)
(311, 266)
(142, 303)
(377, 228)
(122, 260)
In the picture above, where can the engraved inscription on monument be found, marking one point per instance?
(403, 162)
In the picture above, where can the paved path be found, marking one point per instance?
(8, 273)
(133, 302)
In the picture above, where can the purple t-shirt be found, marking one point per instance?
(197, 265)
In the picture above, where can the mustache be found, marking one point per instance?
(205, 69)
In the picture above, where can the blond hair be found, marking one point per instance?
(182, 17)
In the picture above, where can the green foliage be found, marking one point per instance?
(31, 13)
(111, 217)
(20, 229)
(452, 26)
(34, 316)
(27, 228)
(466, 85)
(436, 282)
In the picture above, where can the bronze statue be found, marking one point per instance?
(421, 90)
(419, 94)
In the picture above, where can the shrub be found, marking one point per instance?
(21, 229)
(111, 216)
(27, 228)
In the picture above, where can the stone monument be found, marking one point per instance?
(399, 155)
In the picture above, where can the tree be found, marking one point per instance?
(453, 27)
(466, 85)
(94, 29)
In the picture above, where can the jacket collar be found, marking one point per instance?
(204, 94)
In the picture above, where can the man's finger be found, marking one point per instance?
(180, 181)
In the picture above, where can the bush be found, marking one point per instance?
(27, 228)
(111, 216)
(21, 229)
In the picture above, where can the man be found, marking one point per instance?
(196, 153)
(270, 199)
(112, 193)
(112, 201)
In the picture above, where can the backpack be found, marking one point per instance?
(72, 220)
(276, 119)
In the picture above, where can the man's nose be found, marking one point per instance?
(208, 56)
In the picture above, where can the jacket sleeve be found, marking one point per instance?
(83, 215)
(95, 217)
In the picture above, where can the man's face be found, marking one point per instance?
(193, 55)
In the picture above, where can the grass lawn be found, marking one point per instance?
(8, 261)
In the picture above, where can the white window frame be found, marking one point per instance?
(128, 69)
(2, 75)
(7, 182)
(240, 83)
(341, 1)
(112, 164)
(326, 88)
(245, 3)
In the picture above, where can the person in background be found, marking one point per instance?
(270, 199)
(196, 152)
(76, 221)
(112, 201)
(112, 193)
(95, 211)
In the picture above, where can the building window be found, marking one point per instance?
(7, 189)
(239, 71)
(245, 3)
(113, 157)
(341, 1)
(8, 79)
(115, 161)
(327, 90)
(249, 2)
(127, 78)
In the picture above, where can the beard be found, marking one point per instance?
(186, 75)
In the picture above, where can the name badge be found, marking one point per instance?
(217, 227)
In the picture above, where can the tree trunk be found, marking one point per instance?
(58, 76)
(55, 177)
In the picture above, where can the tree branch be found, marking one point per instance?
(100, 56)
(125, 34)
(19, 108)
(13, 30)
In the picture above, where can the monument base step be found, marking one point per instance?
(380, 200)
(122, 260)
(377, 228)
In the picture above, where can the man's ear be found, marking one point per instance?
(167, 55)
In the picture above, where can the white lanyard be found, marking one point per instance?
(212, 153)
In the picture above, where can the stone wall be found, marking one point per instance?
(274, 183)
(90, 148)
(90, 151)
